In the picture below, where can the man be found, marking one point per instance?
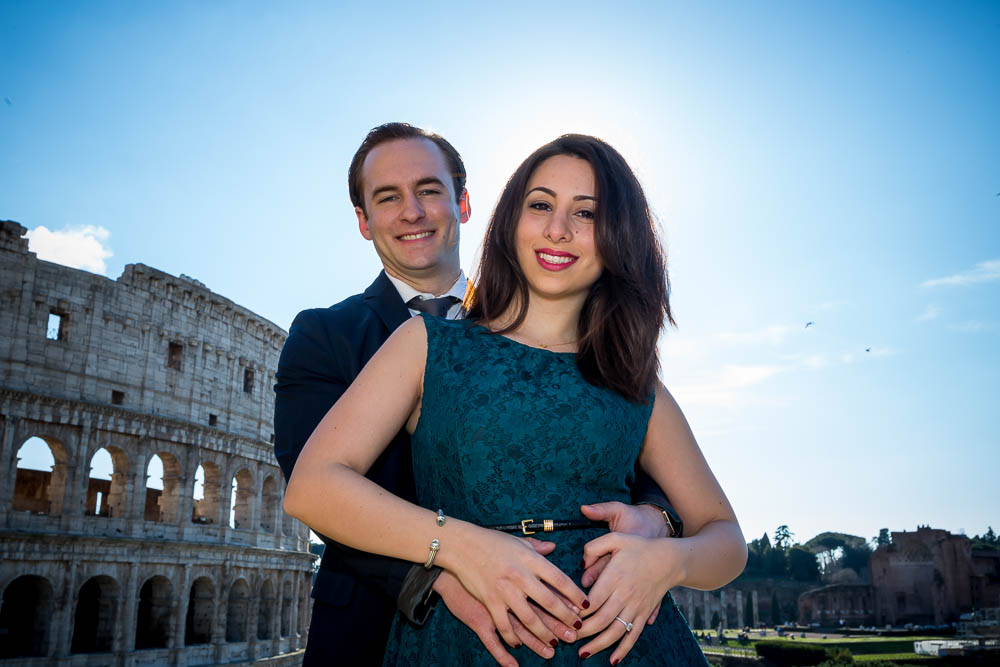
(408, 190)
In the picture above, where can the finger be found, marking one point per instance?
(493, 646)
(602, 511)
(629, 639)
(533, 643)
(610, 634)
(501, 619)
(591, 574)
(558, 628)
(603, 617)
(605, 544)
(520, 608)
(541, 547)
(567, 605)
(652, 617)
(610, 583)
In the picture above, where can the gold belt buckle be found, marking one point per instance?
(524, 526)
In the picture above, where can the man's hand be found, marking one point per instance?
(641, 520)
(472, 613)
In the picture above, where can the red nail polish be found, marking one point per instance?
(577, 624)
(585, 655)
(517, 646)
(585, 604)
(553, 643)
(615, 661)
(583, 564)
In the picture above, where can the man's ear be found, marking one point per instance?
(464, 207)
(363, 223)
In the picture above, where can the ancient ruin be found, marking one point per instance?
(149, 368)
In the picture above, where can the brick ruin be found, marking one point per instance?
(111, 572)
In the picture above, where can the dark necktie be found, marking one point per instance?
(438, 307)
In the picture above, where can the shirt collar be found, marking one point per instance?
(407, 291)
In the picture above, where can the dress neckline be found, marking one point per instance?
(520, 344)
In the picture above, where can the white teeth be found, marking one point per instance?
(414, 237)
(552, 259)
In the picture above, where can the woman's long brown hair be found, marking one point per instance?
(626, 308)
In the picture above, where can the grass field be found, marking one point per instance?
(864, 649)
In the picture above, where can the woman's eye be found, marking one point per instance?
(586, 215)
(540, 206)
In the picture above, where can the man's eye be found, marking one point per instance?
(385, 199)
(429, 191)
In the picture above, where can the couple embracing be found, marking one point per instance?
(426, 449)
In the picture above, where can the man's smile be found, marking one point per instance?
(416, 236)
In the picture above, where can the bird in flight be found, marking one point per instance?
(809, 324)
(868, 349)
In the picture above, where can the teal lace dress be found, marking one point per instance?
(510, 432)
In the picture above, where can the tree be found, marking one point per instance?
(883, 537)
(775, 609)
(990, 537)
(782, 537)
(856, 558)
(802, 564)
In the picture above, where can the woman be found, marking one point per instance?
(540, 402)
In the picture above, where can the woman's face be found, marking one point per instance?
(555, 233)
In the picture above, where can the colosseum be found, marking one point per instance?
(180, 554)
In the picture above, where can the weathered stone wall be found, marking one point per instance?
(146, 365)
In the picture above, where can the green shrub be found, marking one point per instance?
(786, 654)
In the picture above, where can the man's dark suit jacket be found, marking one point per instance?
(356, 593)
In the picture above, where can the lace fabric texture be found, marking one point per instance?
(510, 432)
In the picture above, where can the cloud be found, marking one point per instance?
(932, 312)
(974, 326)
(774, 334)
(82, 247)
(983, 272)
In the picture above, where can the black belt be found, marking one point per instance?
(530, 526)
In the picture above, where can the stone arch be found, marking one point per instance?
(152, 629)
(238, 611)
(265, 611)
(200, 612)
(206, 508)
(161, 504)
(95, 616)
(25, 614)
(287, 602)
(107, 490)
(36, 489)
(241, 507)
(270, 500)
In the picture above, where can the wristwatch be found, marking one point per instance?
(674, 524)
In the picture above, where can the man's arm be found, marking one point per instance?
(315, 369)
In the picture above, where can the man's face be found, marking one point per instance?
(411, 213)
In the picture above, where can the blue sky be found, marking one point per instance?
(835, 163)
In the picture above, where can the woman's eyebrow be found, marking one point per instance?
(552, 193)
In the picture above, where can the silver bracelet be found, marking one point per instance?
(440, 518)
(435, 545)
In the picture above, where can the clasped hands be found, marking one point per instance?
(505, 585)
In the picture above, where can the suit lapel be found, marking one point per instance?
(382, 297)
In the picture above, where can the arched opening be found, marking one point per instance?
(269, 505)
(40, 477)
(162, 486)
(106, 483)
(241, 501)
(265, 611)
(152, 628)
(201, 608)
(287, 602)
(95, 617)
(207, 491)
(238, 612)
(24, 617)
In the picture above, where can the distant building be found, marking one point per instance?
(112, 572)
(927, 577)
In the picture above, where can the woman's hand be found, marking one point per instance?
(504, 572)
(632, 585)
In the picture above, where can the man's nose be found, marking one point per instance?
(412, 209)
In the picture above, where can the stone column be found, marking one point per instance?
(689, 608)
(7, 454)
(185, 500)
(756, 610)
(131, 607)
(183, 600)
(221, 609)
(77, 473)
(293, 621)
(61, 625)
(707, 614)
(723, 609)
(740, 621)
